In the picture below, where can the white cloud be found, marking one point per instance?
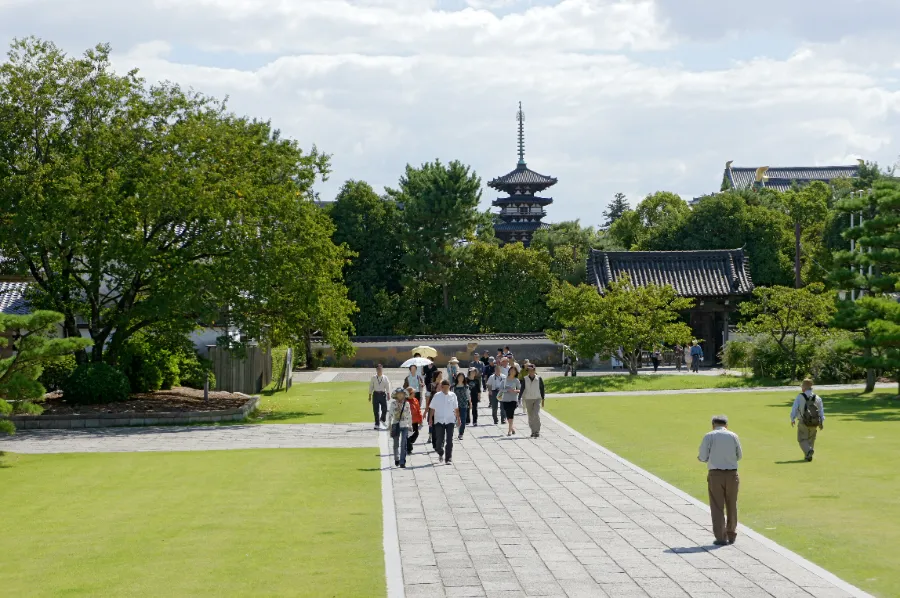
(379, 83)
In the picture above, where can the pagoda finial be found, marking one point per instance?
(520, 116)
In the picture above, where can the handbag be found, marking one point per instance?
(395, 428)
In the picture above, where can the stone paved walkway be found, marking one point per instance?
(560, 516)
(191, 438)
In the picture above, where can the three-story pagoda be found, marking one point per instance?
(521, 211)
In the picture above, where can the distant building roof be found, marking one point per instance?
(522, 176)
(12, 298)
(709, 273)
(782, 178)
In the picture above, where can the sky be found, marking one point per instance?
(631, 96)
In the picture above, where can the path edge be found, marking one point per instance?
(774, 546)
(393, 569)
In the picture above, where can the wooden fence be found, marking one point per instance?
(248, 375)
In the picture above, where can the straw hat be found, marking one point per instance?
(454, 360)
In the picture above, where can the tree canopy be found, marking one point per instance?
(132, 205)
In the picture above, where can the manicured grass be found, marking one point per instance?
(327, 402)
(652, 382)
(840, 511)
(302, 522)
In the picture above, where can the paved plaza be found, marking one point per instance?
(512, 517)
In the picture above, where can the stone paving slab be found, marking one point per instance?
(191, 438)
(561, 516)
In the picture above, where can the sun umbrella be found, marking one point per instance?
(425, 351)
(416, 361)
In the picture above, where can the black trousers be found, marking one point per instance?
(411, 439)
(443, 440)
(379, 401)
(472, 415)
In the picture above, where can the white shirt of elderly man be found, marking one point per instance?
(721, 451)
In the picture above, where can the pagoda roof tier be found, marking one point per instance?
(530, 225)
(522, 176)
(543, 201)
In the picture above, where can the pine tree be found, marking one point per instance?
(615, 209)
(870, 276)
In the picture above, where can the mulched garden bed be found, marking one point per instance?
(176, 400)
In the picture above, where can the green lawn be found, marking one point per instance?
(651, 382)
(302, 522)
(327, 402)
(841, 511)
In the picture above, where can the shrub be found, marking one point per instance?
(193, 372)
(833, 361)
(56, 371)
(149, 363)
(95, 383)
(827, 361)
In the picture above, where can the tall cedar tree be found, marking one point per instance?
(872, 271)
(615, 209)
(135, 206)
(440, 209)
(370, 226)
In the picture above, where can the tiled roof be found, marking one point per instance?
(712, 273)
(522, 176)
(12, 300)
(541, 201)
(781, 178)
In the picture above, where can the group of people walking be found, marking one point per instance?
(721, 450)
(447, 401)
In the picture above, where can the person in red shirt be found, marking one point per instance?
(416, 412)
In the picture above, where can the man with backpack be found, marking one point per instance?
(810, 412)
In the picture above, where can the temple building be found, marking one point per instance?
(715, 279)
(783, 178)
(521, 210)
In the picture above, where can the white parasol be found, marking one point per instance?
(416, 361)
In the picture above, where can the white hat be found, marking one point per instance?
(454, 360)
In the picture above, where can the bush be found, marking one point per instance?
(95, 383)
(193, 373)
(828, 361)
(56, 371)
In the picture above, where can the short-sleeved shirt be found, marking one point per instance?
(445, 405)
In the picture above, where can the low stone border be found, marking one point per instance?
(109, 420)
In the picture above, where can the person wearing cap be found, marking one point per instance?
(444, 410)
(452, 369)
(379, 388)
(532, 397)
(721, 451)
(400, 413)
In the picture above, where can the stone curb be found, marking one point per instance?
(109, 420)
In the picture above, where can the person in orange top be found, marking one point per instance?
(416, 411)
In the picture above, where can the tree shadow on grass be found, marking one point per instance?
(275, 416)
(879, 407)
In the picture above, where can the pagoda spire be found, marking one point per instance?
(520, 116)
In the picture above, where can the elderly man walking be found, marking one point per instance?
(532, 396)
(809, 410)
(721, 451)
(379, 389)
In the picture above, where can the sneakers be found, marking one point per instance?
(403, 466)
(535, 434)
(377, 427)
(475, 425)
(448, 462)
(809, 454)
(397, 463)
(459, 438)
(441, 459)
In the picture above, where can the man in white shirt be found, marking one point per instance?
(379, 389)
(444, 410)
(721, 451)
(808, 408)
(504, 366)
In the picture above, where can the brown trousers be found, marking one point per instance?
(723, 493)
(806, 436)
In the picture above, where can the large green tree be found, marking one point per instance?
(440, 209)
(567, 244)
(615, 209)
(370, 226)
(633, 319)
(134, 205)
